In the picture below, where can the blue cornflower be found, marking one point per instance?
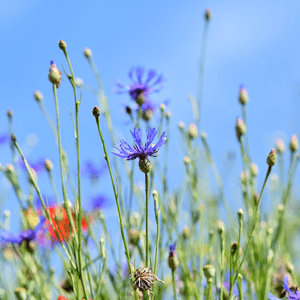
(4, 138)
(98, 202)
(27, 235)
(235, 289)
(93, 171)
(172, 259)
(139, 90)
(292, 293)
(124, 150)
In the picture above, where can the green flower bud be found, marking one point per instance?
(38, 96)
(186, 232)
(243, 96)
(294, 145)
(272, 157)
(145, 165)
(48, 165)
(192, 131)
(240, 128)
(134, 237)
(87, 52)
(96, 112)
(62, 45)
(280, 147)
(207, 14)
(209, 271)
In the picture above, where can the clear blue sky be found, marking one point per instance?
(255, 43)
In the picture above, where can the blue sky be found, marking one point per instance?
(255, 43)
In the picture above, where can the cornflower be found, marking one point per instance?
(124, 150)
(292, 292)
(140, 90)
(27, 235)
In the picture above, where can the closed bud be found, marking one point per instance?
(162, 106)
(147, 114)
(272, 157)
(243, 96)
(181, 125)
(280, 147)
(96, 112)
(87, 52)
(173, 259)
(240, 128)
(9, 114)
(48, 165)
(294, 145)
(203, 135)
(140, 99)
(79, 82)
(207, 14)
(186, 232)
(280, 207)
(62, 45)
(134, 237)
(234, 248)
(192, 131)
(220, 227)
(54, 74)
(168, 114)
(128, 110)
(38, 96)
(240, 213)
(13, 138)
(209, 271)
(254, 169)
(145, 165)
(255, 198)
(187, 160)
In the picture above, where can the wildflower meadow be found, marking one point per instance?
(105, 193)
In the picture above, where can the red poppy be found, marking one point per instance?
(61, 223)
(64, 298)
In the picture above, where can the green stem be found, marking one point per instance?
(147, 217)
(174, 284)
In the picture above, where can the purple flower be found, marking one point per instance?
(38, 166)
(139, 87)
(92, 171)
(97, 202)
(292, 293)
(27, 235)
(138, 150)
(4, 138)
(124, 150)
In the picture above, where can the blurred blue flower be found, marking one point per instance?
(138, 86)
(27, 235)
(92, 171)
(49, 201)
(124, 150)
(38, 166)
(235, 289)
(292, 293)
(4, 138)
(97, 202)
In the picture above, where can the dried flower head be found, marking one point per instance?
(144, 279)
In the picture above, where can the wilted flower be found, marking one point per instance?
(124, 150)
(140, 90)
(144, 279)
(292, 292)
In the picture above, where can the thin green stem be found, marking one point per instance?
(174, 284)
(147, 217)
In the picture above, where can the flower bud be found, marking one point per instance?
(87, 52)
(9, 115)
(54, 74)
(186, 160)
(220, 227)
(173, 259)
(181, 125)
(38, 96)
(207, 14)
(272, 157)
(6, 214)
(234, 248)
(209, 271)
(255, 198)
(240, 128)
(280, 147)
(186, 232)
(203, 135)
(140, 99)
(48, 165)
(162, 106)
(243, 96)
(79, 82)
(96, 112)
(128, 110)
(134, 237)
(240, 213)
(147, 114)
(192, 131)
(294, 145)
(168, 114)
(254, 169)
(62, 45)
(145, 165)
(13, 138)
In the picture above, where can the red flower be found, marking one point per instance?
(61, 223)
(64, 298)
